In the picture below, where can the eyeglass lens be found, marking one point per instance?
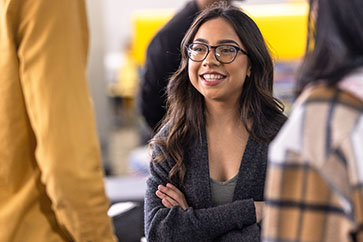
(223, 53)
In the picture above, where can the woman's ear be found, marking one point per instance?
(249, 71)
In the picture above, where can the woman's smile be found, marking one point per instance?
(212, 78)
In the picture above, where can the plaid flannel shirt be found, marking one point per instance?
(314, 186)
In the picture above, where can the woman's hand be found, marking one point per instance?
(259, 211)
(171, 196)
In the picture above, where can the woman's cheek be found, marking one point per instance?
(192, 73)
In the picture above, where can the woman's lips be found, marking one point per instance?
(212, 79)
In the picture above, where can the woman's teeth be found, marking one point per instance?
(212, 77)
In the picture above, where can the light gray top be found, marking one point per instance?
(222, 192)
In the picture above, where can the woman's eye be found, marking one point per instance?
(227, 50)
(198, 49)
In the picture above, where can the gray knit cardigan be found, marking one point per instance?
(235, 221)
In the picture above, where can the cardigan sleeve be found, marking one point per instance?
(248, 234)
(176, 224)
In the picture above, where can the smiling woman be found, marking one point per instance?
(219, 75)
(209, 156)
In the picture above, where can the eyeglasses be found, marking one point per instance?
(225, 54)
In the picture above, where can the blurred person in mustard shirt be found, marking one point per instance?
(51, 178)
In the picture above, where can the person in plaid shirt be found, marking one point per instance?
(314, 186)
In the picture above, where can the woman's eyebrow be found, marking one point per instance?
(224, 41)
(227, 41)
(201, 40)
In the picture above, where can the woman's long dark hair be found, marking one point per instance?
(334, 45)
(185, 116)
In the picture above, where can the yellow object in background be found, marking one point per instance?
(146, 24)
(283, 25)
(127, 78)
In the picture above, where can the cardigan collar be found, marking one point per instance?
(205, 178)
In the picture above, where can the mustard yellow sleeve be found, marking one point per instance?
(52, 43)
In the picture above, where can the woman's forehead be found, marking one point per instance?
(216, 30)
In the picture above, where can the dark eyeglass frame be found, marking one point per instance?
(215, 52)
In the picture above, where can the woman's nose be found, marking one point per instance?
(210, 59)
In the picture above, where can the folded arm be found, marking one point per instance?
(177, 224)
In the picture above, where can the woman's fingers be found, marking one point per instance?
(170, 191)
(172, 195)
(175, 194)
(164, 196)
(180, 198)
(166, 203)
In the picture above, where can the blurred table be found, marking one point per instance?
(125, 188)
